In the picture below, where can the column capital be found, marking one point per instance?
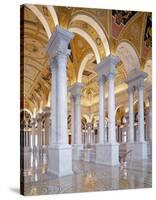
(131, 88)
(140, 83)
(107, 65)
(58, 42)
(52, 63)
(136, 78)
(101, 79)
(60, 54)
(76, 89)
(111, 75)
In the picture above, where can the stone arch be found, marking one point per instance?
(128, 56)
(25, 119)
(49, 99)
(53, 15)
(89, 20)
(90, 41)
(27, 110)
(82, 66)
(41, 17)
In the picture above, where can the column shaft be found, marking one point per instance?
(26, 135)
(111, 110)
(53, 132)
(33, 134)
(101, 111)
(25, 138)
(131, 116)
(47, 128)
(141, 114)
(150, 118)
(76, 91)
(72, 119)
(39, 132)
(61, 99)
(77, 121)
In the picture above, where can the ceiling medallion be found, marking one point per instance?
(98, 41)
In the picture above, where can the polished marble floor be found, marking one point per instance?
(87, 177)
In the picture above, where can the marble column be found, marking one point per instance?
(72, 119)
(24, 138)
(150, 115)
(130, 143)
(138, 149)
(53, 132)
(27, 137)
(141, 113)
(33, 133)
(150, 122)
(142, 145)
(111, 109)
(61, 98)
(131, 114)
(76, 91)
(86, 137)
(108, 153)
(39, 130)
(101, 135)
(47, 114)
(59, 152)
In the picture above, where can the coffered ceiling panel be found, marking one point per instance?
(34, 48)
(27, 86)
(30, 72)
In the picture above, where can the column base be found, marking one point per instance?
(136, 151)
(76, 151)
(107, 154)
(60, 160)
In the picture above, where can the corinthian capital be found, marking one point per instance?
(59, 41)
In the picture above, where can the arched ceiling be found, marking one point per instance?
(98, 32)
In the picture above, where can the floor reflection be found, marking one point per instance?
(87, 176)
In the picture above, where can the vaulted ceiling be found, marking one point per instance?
(98, 33)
